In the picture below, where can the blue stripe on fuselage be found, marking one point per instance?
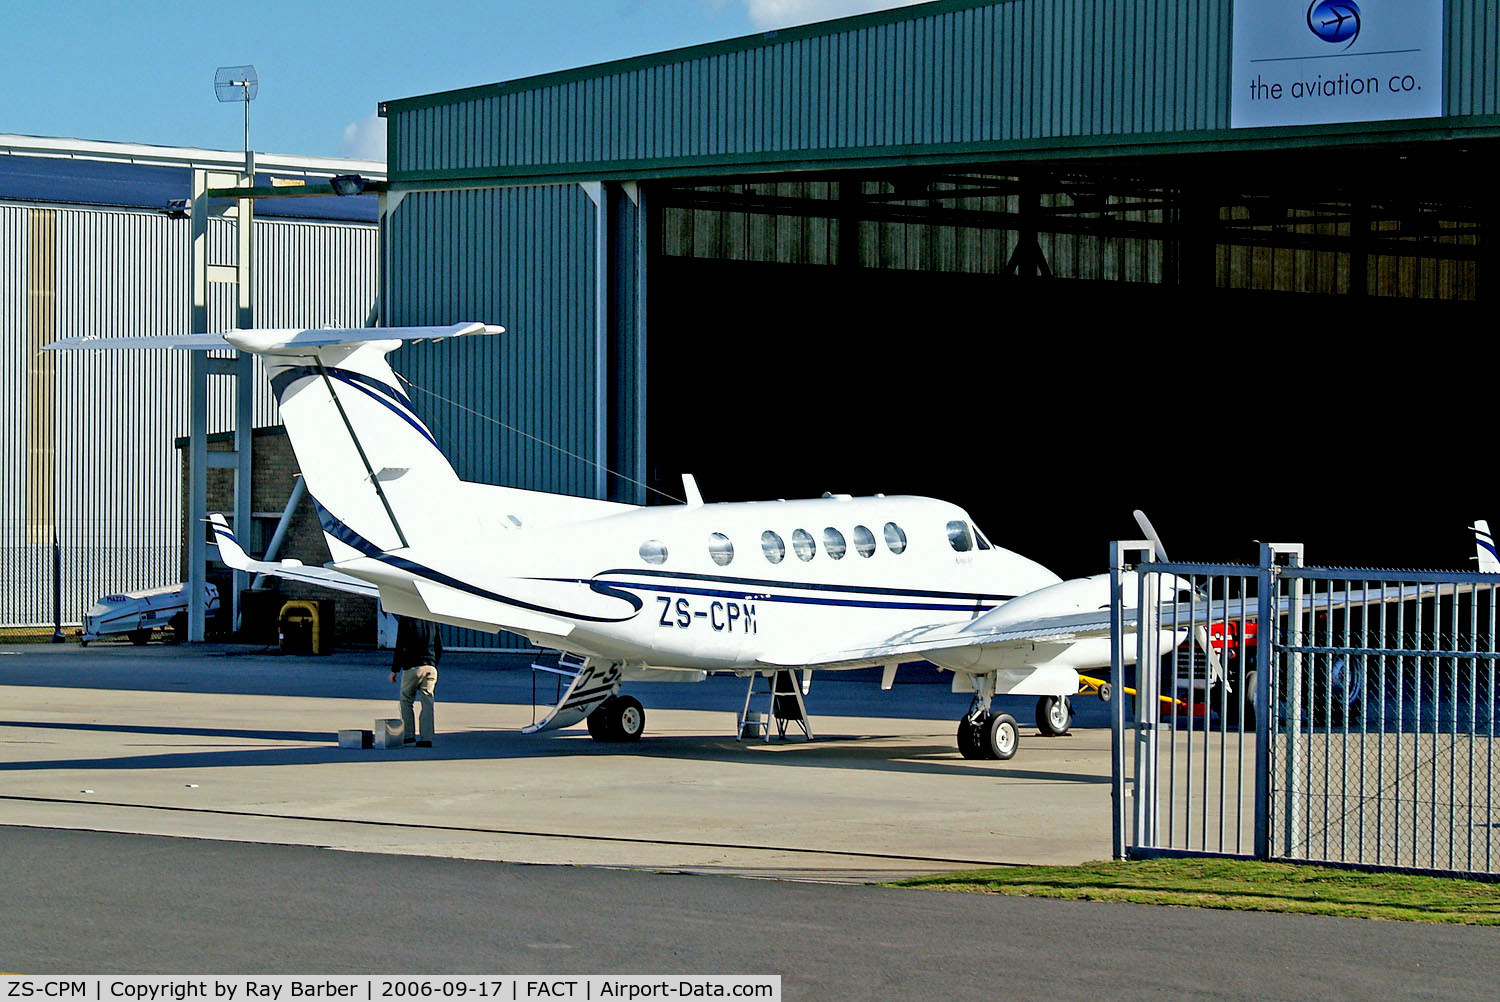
(894, 598)
(866, 597)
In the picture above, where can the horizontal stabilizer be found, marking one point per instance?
(234, 555)
(279, 341)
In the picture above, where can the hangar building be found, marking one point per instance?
(1049, 259)
(96, 236)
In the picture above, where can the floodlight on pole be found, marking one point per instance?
(239, 83)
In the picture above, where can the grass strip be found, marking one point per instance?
(1245, 885)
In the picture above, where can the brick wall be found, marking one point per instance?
(273, 472)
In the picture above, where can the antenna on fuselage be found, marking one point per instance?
(690, 488)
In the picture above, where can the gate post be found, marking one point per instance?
(1265, 645)
(1292, 822)
(1268, 636)
(1119, 565)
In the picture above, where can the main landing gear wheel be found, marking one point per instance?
(993, 736)
(1054, 715)
(1001, 736)
(599, 721)
(618, 718)
(971, 738)
(630, 718)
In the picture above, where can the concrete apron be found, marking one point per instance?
(873, 798)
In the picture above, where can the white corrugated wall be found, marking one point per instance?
(96, 461)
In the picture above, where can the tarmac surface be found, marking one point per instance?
(120, 904)
(187, 810)
(227, 743)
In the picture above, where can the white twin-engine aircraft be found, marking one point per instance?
(663, 593)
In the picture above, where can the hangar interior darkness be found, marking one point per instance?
(1053, 343)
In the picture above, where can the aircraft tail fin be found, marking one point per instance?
(372, 466)
(1484, 547)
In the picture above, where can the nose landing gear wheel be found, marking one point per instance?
(1054, 715)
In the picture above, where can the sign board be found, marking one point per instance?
(1312, 62)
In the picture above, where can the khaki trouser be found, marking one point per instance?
(418, 682)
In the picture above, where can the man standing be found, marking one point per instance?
(418, 650)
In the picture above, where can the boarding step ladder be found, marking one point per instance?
(565, 671)
(784, 705)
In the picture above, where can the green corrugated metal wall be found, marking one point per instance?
(521, 257)
(946, 75)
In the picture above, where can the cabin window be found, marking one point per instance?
(772, 546)
(833, 543)
(803, 545)
(654, 551)
(895, 538)
(864, 541)
(984, 544)
(720, 549)
(959, 537)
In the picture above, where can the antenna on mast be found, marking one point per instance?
(239, 83)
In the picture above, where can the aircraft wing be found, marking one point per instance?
(1040, 640)
(235, 556)
(1037, 640)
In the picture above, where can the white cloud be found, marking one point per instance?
(364, 139)
(767, 14)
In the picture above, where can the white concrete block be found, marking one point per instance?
(389, 732)
(355, 739)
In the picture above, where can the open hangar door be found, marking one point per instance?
(1292, 346)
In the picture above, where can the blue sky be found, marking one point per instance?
(143, 71)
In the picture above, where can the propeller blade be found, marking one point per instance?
(1150, 531)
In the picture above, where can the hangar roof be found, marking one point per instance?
(84, 172)
(945, 82)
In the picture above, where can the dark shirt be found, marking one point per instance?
(417, 643)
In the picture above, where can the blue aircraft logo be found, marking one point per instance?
(1334, 21)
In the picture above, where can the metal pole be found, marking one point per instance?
(1117, 708)
(298, 489)
(57, 633)
(1118, 565)
(1265, 637)
(244, 369)
(249, 164)
(197, 411)
(1148, 706)
(1292, 824)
